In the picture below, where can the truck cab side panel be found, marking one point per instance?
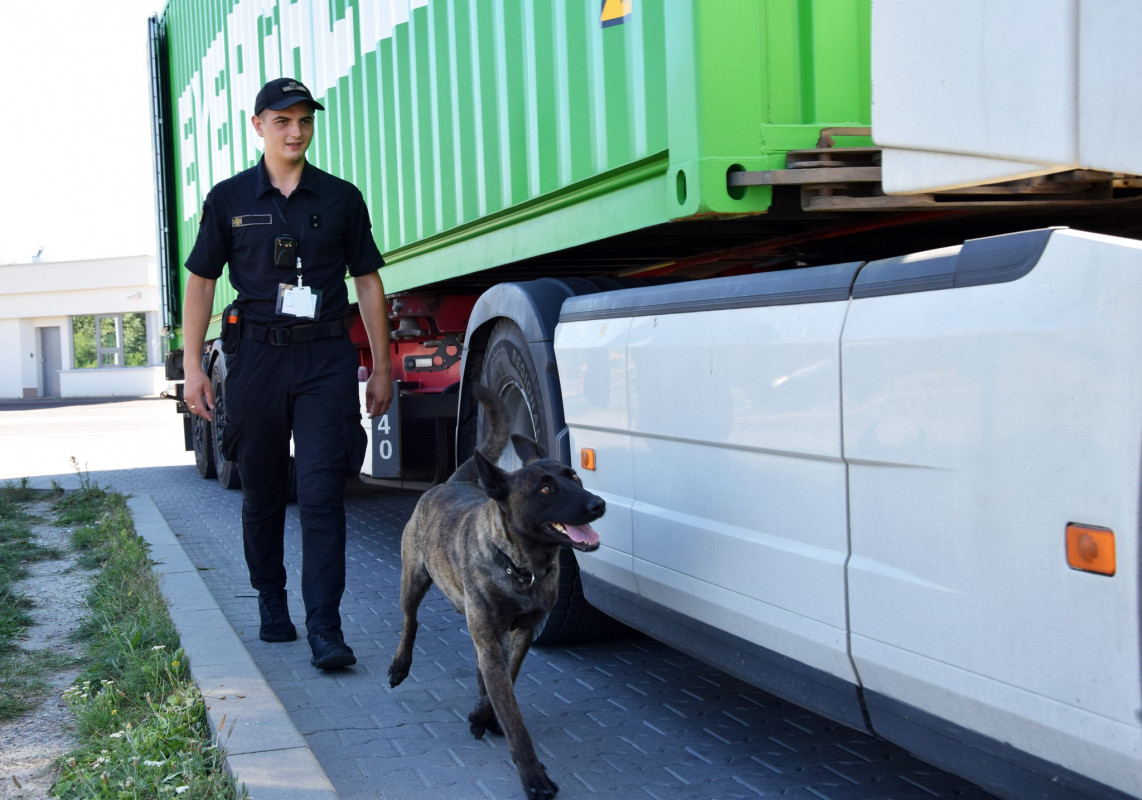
(875, 482)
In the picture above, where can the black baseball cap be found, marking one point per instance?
(283, 93)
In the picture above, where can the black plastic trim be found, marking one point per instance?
(920, 273)
(995, 259)
(1000, 768)
(785, 677)
(996, 766)
(788, 287)
(978, 262)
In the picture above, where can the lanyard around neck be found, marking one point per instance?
(275, 197)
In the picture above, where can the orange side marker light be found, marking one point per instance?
(587, 458)
(1090, 549)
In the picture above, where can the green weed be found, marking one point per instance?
(140, 717)
(20, 685)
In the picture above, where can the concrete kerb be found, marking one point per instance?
(264, 749)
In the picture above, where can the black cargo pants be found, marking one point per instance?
(308, 389)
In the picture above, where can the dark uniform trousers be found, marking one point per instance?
(311, 389)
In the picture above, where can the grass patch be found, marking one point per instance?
(21, 688)
(140, 717)
(20, 685)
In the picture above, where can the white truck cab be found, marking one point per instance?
(855, 486)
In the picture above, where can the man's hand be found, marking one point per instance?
(374, 314)
(197, 393)
(378, 392)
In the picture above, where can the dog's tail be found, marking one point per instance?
(495, 426)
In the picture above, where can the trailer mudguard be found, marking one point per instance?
(534, 307)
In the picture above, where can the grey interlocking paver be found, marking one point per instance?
(625, 718)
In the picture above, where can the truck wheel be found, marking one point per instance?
(202, 434)
(510, 372)
(227, 471)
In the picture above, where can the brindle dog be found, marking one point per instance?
(493, 549)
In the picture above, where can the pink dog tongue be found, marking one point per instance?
(583, 534)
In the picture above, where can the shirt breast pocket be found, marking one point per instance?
(252, 239)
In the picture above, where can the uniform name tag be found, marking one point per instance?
(251, 219)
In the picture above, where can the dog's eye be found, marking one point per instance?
(545, 489)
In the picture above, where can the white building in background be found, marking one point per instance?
(87, 328)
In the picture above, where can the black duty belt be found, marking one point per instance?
(294, 333)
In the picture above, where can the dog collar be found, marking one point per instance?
(518, 574)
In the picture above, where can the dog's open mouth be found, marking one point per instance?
(581, 537)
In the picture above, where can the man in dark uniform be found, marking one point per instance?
(288, 232)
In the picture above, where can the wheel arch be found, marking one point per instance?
(533, 306)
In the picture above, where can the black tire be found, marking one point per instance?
(227, 471)
(509, 370)
(202, 435)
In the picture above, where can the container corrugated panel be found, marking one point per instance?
(484, 132)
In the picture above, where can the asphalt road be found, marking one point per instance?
(628, 717)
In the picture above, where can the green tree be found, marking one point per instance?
(83, 341)
(135, 340)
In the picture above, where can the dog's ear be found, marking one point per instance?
(494, 479)
(527, 449)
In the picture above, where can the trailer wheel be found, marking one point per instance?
(227, 471)
(509, 370)
(202, 435)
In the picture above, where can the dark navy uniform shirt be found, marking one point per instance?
(241, 220)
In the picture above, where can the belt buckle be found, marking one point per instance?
(279, 336)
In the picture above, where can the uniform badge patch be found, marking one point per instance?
(251, 219)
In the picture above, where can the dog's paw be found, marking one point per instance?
(483, 720)
(398, 671)
(537, 785)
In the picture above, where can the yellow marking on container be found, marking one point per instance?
(615, 12)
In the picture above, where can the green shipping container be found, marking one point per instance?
(490, 132)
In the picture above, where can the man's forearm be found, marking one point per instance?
(197, 306)
(374, 314)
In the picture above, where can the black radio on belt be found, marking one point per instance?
(285, 251)
(231, 330)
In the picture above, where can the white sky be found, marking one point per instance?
(76, 176)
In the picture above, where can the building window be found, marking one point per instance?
(109, 340)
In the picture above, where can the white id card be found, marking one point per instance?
(298, 301)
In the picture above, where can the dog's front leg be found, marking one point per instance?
(483, 716)
(414, 584)
(496, 680)
(520, 637)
